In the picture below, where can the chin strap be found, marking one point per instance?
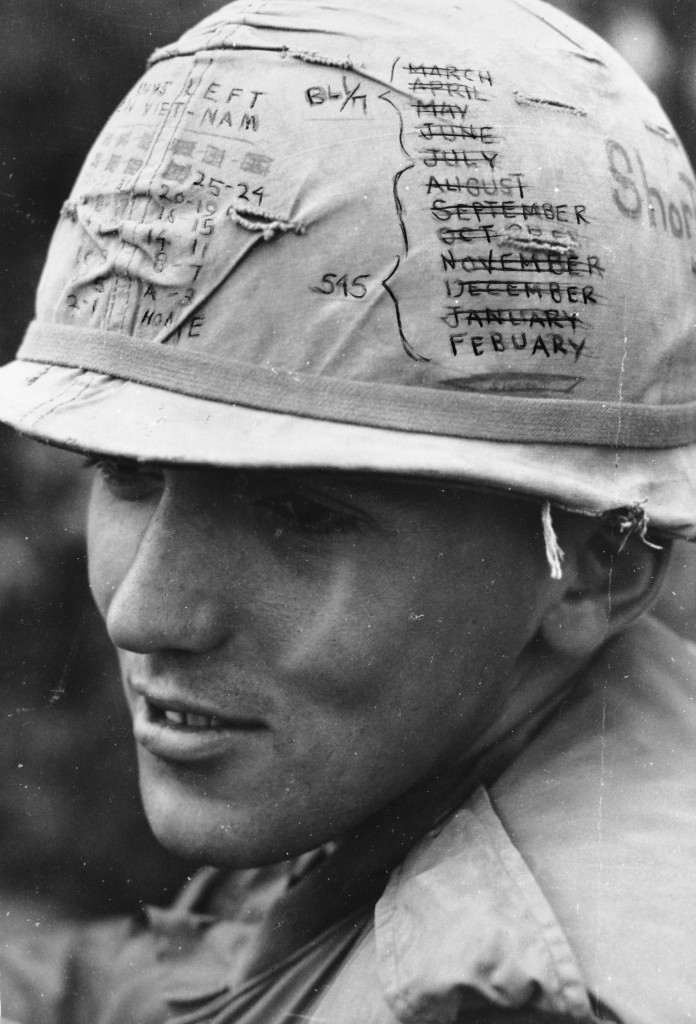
(554, 552)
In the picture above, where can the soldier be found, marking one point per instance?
(379, 327)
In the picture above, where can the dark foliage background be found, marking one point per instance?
(72, 838)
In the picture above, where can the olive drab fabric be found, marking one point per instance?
(333, 234)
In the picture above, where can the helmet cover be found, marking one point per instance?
(431, 229)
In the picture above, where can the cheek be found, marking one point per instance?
(371, 628)
(316, 641)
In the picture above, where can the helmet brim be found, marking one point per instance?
(91, 412)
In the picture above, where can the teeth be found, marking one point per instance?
(175, 717)
(198, 721)
(191, 721)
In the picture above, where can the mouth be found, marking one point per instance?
(181, 730)
(177, 717)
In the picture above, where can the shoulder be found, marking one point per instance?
(602, 807)
(48, 968)
(573, 885)
(54, 970)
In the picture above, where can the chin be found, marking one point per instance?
(207, 846)
(199, 825)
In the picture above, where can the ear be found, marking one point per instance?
(609, 579)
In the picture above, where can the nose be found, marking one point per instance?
(171, 585)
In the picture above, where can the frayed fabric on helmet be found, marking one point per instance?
(395, 224)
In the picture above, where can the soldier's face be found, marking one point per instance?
(298, 650)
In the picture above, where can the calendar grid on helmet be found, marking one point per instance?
(454, 244)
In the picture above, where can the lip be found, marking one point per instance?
(191, 741)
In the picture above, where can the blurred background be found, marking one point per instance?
(72, 836)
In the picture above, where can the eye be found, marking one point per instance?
(308, 516)
(126, 479)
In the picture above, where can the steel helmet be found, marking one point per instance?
(454, 241)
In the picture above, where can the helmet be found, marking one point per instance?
(454, 242)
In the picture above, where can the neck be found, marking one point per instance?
(352, 875)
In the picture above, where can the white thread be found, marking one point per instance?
(315, 58)
(554, 552)
(629, 521)
(265, 223)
